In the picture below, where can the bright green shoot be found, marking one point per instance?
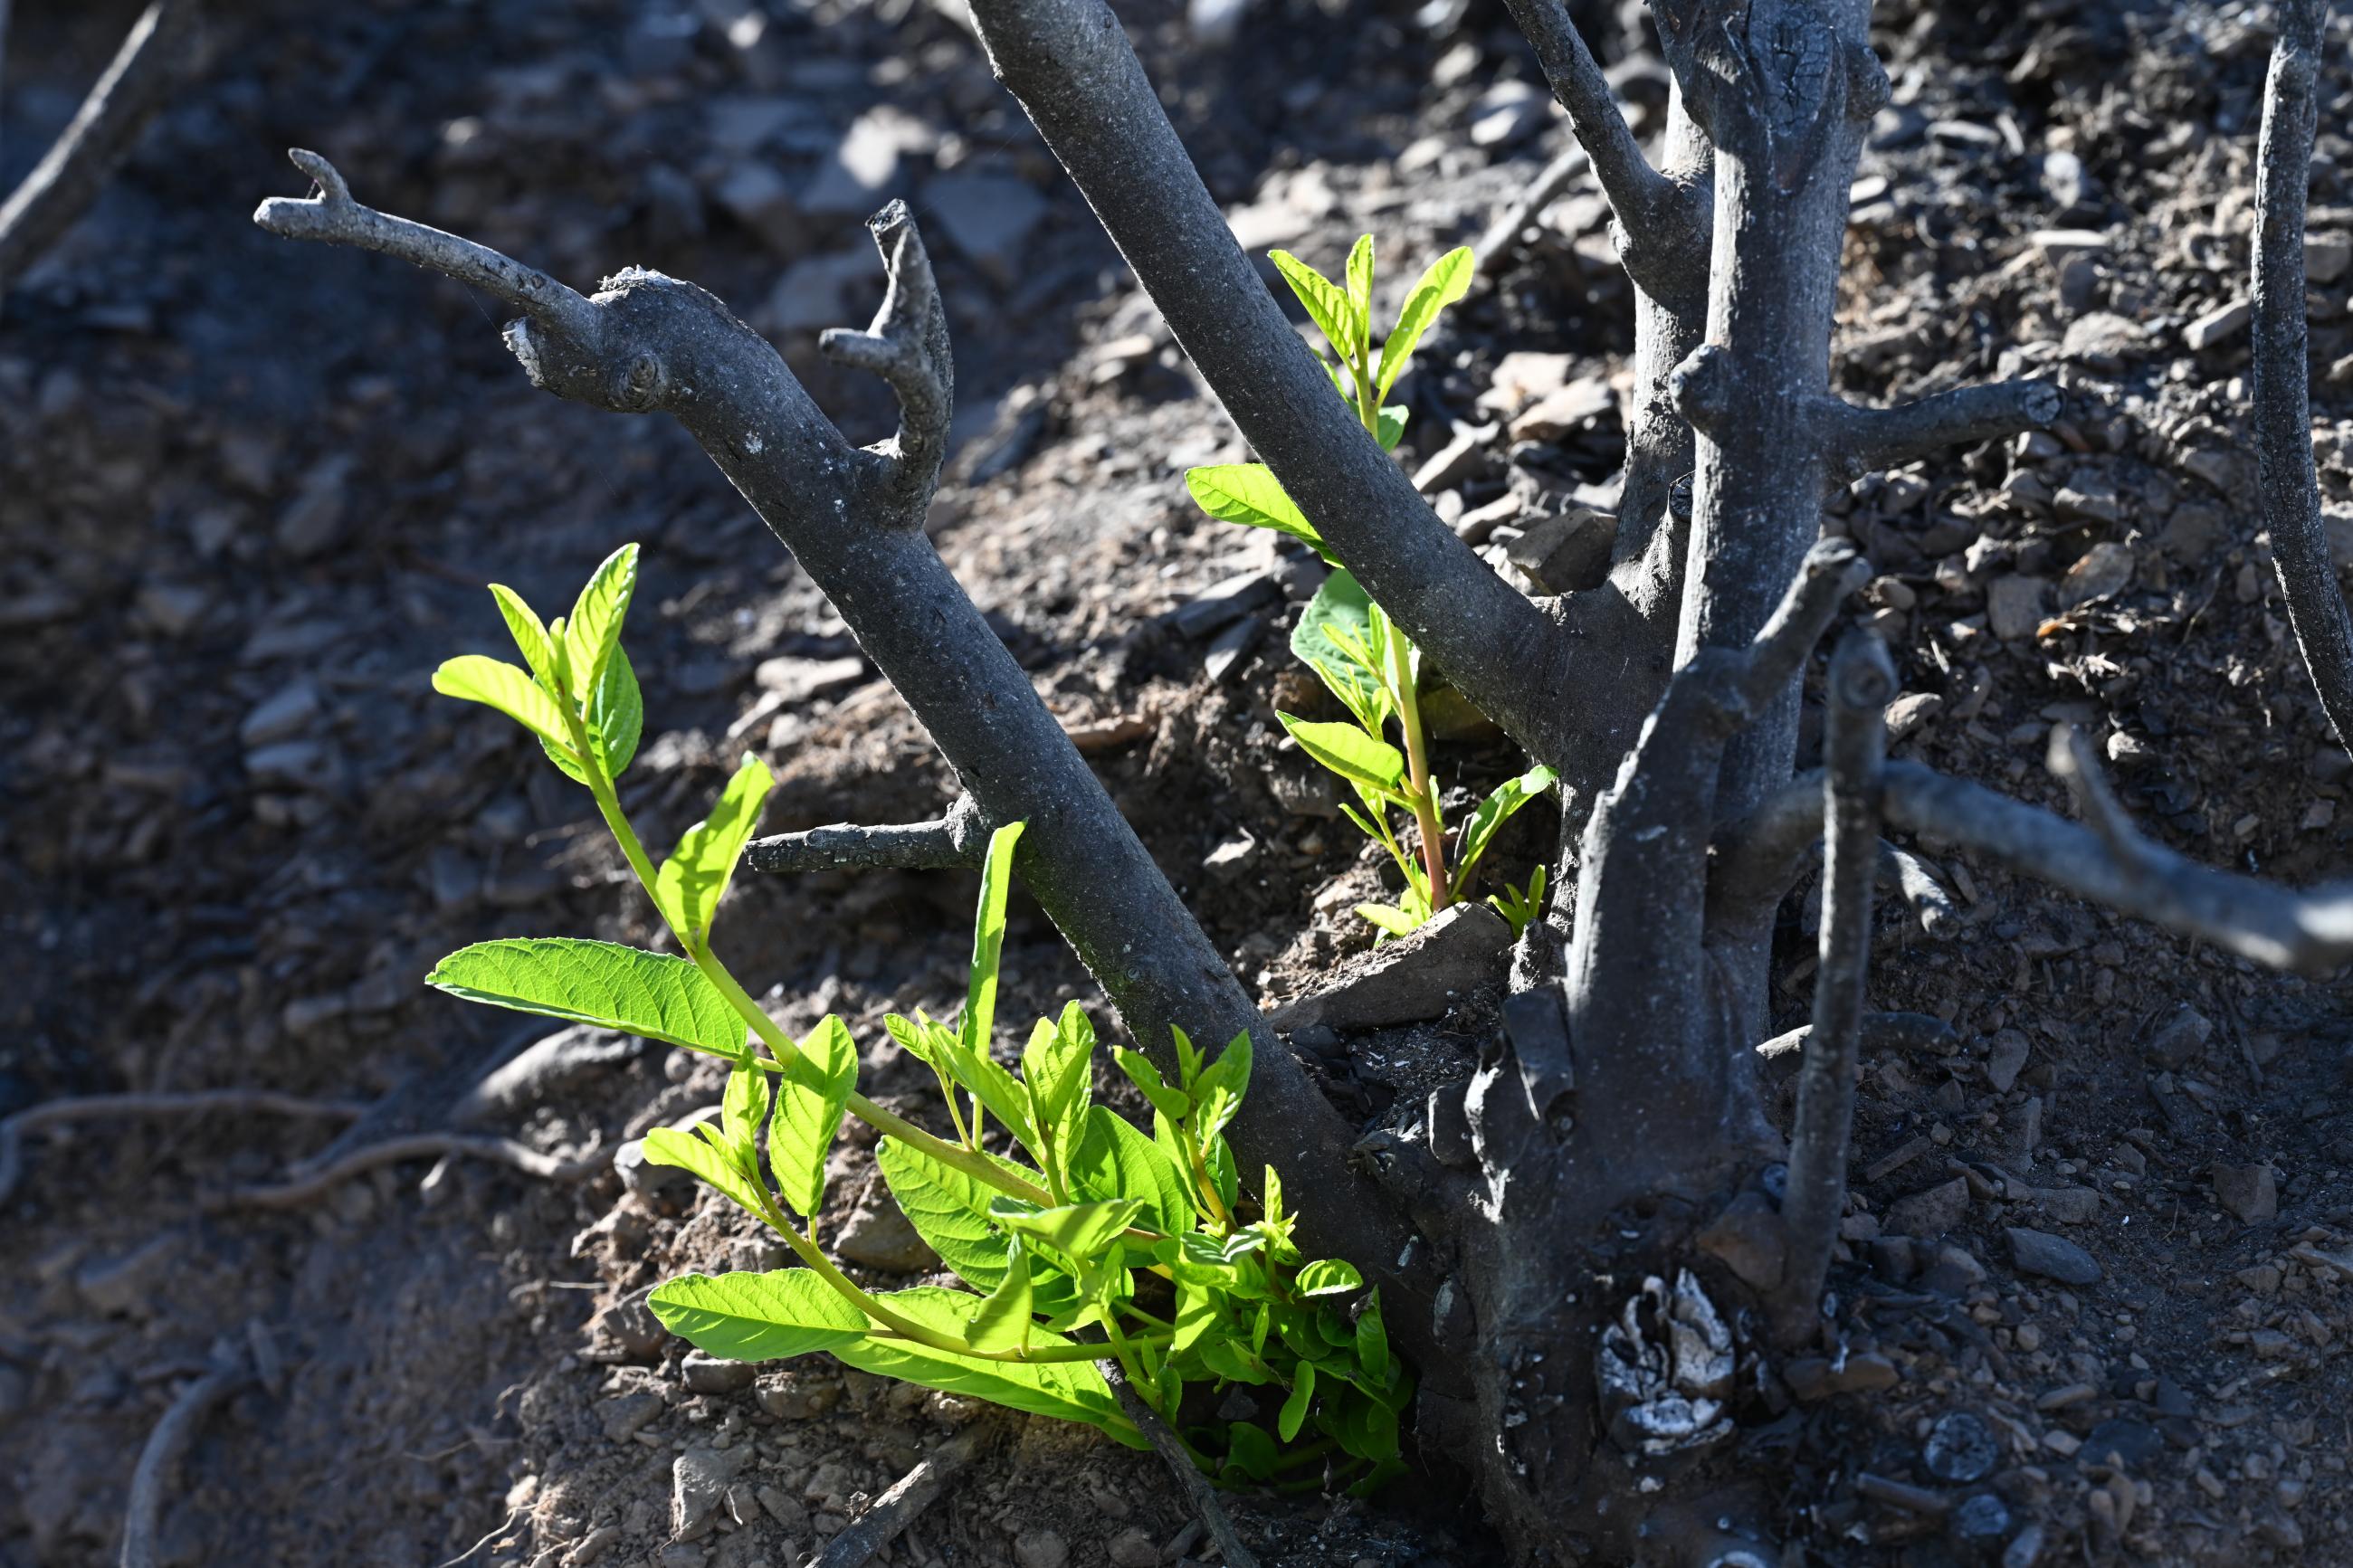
(1079, 1238)
(1350, 642)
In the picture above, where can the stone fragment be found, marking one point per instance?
(799, 680)
(134, 1282)
(1040, 1548)
(2326, 255)
(1930, 1213)
(1409, 980)
(2052, 1256)
(2179, 1040)
(1564, 410)
(989, 217)
(856, 179)
(2009, 1059)
(1749, 1238)
(2105, 569)
(2217, 326)
(1508, 113)
(313, 522)
(1910, 711)
(175, 609)
(628, 1414)
(1132, 1548)
(1812, 1378)
(2014, 606)
(2250, 1192)
(820, 291)
(708, 1374)
(698, 1479)
(756, 194)
(280, 717)
(1562, 554)
(879, 1236)
(1961, 1449)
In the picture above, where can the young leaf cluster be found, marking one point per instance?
(1362, 657)
(1077, 1238)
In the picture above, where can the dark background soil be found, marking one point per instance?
(249, 491)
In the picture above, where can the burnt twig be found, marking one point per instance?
(2284, 476)
(900, 1506)
(1862, 679)
(907, 346)
(161, 50)
(160, 1457)
(200, 1102)
(956, 842)
(1860, 440)
(1196, 1487)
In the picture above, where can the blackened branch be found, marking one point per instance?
(1862, 679)
(907, 346)
(2284, 478)
(1663, 223)
(1861, 440)
(956, 842)
(332, 217)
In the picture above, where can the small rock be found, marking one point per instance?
(2107, 569)
(879, 1236)
(2123, 1440)
(2250, 1192)
(1409, 980)
(1564, 410)
(2009, 1059)
(1464, 454)
(281, 717)
(642, 1176)
(2068, 1205)
(1040, 1548)
(134, 1282)
(2088, 498)
(798, 680)
(2179, 1040)
(1981, 1520)
(629, 1414)
(989, 217)
(2326, 255)
(708, 1374)
(2014, 606)
(295, 765)
(698, 1479)
(857, 179)
(1930, 1213)
(1562, 554)
(757, 195)
(2217, 326)
(1961, 1449)
(1508, 113)
(1910, 710)
(1132, 1548)
(2053, 1257)
(1523, 376)
(784, 1509)
(175, 609)
(793, 1398)
(1749, 1238)
(1811, 1378)
(313, 522)
(820, 291)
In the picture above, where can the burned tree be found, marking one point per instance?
(1577, 1237)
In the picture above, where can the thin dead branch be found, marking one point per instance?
(1190, 1482)
(2285, 475)
(863, 1537)
(1860, 440)
(505, 1152)
(143, 1521)
(162, 49)
(956, 842)
(1862, 679)
(907, 346)
(1505, 237)
(200, 1102)
(1910, 878)
(1662, 224)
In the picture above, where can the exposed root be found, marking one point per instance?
(161, 1457)
(94, 1107)
(898, 1507)
(417, 1146)
(1190, 1479)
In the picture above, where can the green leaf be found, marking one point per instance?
(601, 982)
(1448, 280)
(744, 1110)
(1067, 1391)
(1197, 1313)
(1388, 425)
(1294, 1409)
(615, 720)
(1492, 813)
(1360, 758)
(808, 1113)
(1360, 290)
(594, 629)
(1333, 637)
(1001, 1321)
(757, 1317)
(1372, 1340)
(703, 1149)
(1326, 301)
(1250, 493)
(948, 1209)
(694, 878)
(1058, 1069)
(530, 635)
(1219, 1091)
(473, 677)
(988, 943)
(1390, 919)
(1115, 1161)
(1329, 1276)
(1234, 1363)
(1172, 1103)
(1249, 1451)
(1078, 1231)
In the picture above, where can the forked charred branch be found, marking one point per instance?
(851, 517)
(1070, 65)
(1662, 223)
(1862, 679)
(2281, 369)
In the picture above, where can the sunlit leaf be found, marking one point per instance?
(1326, 302)
(1250, 493)
(808, 1113)
(695, 877)
(1448, 280)
(757, 1317)
(1349, 751)
(474, 678)
(601, 982)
